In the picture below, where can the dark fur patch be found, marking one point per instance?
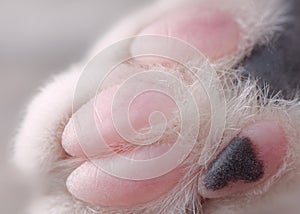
(277, 64)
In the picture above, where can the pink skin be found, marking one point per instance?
(117, 191)
(211, 31)
(270, 145)
(91, 184)
(139, 112)
(215, 34)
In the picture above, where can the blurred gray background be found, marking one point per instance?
(39, 38)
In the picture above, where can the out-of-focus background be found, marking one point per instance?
(37, 40)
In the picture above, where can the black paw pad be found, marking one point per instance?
(237, 162)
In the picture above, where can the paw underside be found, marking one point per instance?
(260, 81)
